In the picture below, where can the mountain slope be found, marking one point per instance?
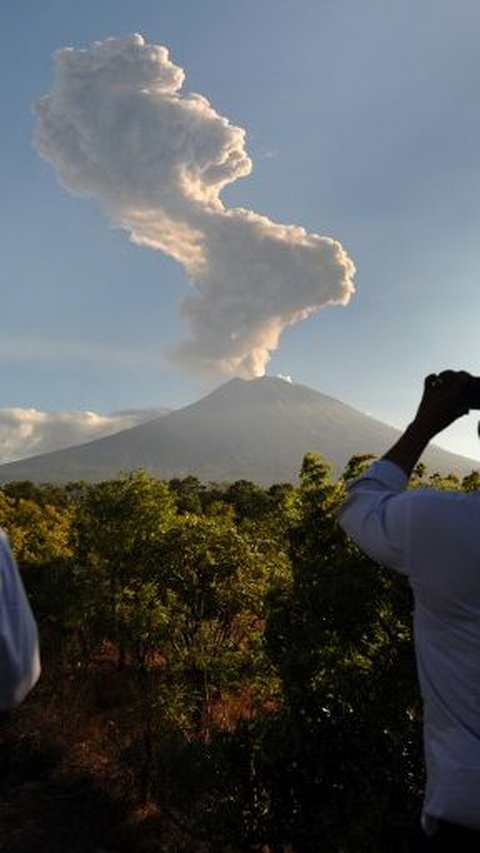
(257, 430)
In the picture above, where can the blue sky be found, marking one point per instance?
(362, 124)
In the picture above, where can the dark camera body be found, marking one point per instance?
(473, 393)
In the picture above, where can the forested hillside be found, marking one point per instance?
(223, 670)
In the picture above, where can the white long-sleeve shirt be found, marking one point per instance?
(433, 537)
(19, 649)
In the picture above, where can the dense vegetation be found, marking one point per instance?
(223, 670)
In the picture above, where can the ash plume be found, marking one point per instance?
(118, 128)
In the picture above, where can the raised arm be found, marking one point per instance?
(378, 513)
(444, 400)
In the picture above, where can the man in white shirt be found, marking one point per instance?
(433, 537)
(19, 650)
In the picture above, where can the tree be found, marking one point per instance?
(341, 638)
(117, 523)
(188, 494)
(215, 588)
(248, 499)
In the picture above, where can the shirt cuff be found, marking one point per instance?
(387, 473)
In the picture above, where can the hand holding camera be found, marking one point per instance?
(447, 396)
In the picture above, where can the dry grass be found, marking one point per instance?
(64, 787)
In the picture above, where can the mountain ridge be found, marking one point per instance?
(256, 430)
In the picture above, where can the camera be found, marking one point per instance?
(472, 393)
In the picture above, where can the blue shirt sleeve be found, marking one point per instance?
(376, 514)
(19, 647)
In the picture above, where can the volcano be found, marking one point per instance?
(256, 430)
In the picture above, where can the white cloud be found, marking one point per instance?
(118, 128)
(26, 432)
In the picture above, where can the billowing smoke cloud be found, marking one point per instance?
(26, 432)
(118, 128)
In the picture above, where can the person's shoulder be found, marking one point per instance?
(442, 495)
(442, 504)
(427, 496)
